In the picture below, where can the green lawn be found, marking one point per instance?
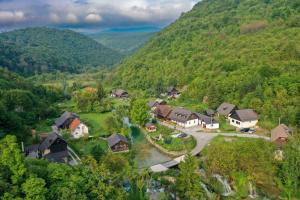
(95, 122)
(84, 146)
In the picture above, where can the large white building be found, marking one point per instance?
(245, 118)
(184, 118)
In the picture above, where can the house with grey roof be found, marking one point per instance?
(172, 92)
(53, 148)
(207, 122)
(225, 109)
(118, 143)
(184, 117)
(119, 93)
(245, 118)
(64, 121)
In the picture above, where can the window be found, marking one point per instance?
(237, 122)
(232, 120)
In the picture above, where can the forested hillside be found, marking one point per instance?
(22, 104)
(243, 51)
(123, 42)
(37, 50)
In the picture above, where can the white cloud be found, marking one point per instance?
(54, 17)
(93, 18)
(71, 18)
(11, 16)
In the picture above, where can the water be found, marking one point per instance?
(224, 182)
(146, 154)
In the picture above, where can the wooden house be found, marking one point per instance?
(150, 127)
(118, 143)
(280, 134)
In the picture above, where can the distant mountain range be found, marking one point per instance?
(37, 50)
(125, 42)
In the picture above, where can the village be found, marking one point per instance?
(175, 131)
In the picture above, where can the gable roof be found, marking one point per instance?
(210, 112)
(206, 119)
(75, 123)
(180, 114)
(116, 138)
(152, 104)
(64, 117)
(281, 131)
(149, 124)
(172, 89)
(244, 115)
(163, 110)
(49, 141)
(226, 108)
(119, 92)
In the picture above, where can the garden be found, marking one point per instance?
(172, 140)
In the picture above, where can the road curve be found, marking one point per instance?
(202, 140)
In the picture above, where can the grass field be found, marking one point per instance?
(95, 122)
(84, 146)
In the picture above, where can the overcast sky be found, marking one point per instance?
(90, 15)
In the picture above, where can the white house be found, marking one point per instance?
(208, 122)
(184, 118)
(245, 118)
(78, 129)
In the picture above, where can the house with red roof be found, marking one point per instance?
(78, 129)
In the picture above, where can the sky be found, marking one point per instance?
(91, 16)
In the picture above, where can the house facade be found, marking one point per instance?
(184, 118)
(78, 129)
(118, 143)
(150, 127)
(245, 118)
(53, 148)
(208, 122)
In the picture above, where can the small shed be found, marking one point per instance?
(118, 143)
(280, 134)
(150, 127)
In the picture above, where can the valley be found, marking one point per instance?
(206, 108)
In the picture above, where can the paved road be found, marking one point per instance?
(202, 139)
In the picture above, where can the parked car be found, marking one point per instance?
(182, 135)
(248, 130)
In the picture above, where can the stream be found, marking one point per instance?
(146, 154)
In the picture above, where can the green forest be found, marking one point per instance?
(38, 50)
(23, 103)
(244, 52)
